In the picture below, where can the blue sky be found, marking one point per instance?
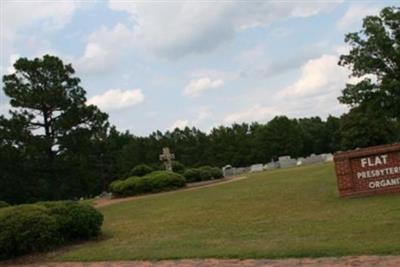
(164, 64)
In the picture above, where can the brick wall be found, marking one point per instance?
(368, 171)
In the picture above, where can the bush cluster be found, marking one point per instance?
(202, 174)
(153, 182)
(42, 226)
(140, 170)
(3, 204)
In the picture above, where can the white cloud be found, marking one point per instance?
(318, 76)
(104, 49)
(198, 86)
(18, 15)
(355, 14)
(13, 59)
(115, 99)
(176, 29)
(180, 124)
(257, 112)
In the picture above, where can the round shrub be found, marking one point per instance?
(164, 180)
(75, 221)
(140, 170)
(178, 167)
(26, 228)
(192, 175)
(117, 187)
(3, 204)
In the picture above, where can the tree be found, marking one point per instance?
(51, 105)
(375, 59)
(363, 127)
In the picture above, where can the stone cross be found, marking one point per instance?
(167, 157)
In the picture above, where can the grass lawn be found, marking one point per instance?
(283, 213)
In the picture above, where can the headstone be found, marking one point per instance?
(313, 159)
(328, 157)
(167, 158)
(286, 162)
(256, 168)
(271, 165)
(368, 171)
(300, 161)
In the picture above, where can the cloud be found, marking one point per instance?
(255, 113)
(104, 49)
(355, 14)
(116, 99)
(12, 60)
(17, 16)
(318, 76)
(198, 86)
(180, 124)
(257, 62)
(177, 29)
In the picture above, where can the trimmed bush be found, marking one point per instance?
(3, 204)
(42, 226)
(75, 221)
(178, 167)
(203, 174)
(153, 182)
(26, 228)
(192, 175)
(141, 170)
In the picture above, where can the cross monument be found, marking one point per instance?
(167, 158)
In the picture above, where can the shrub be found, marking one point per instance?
(3, 204)
(164, 180)
(203, 173)
(153, 182)
(192, 175)
(178, 167)
(26, 228)
(75, 221)
(140, 170)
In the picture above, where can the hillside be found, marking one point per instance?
(283, 213)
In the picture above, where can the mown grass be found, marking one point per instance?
(283, 213)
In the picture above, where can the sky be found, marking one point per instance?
(158, 65)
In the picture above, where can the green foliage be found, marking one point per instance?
(3, 204)
(203, 173)
(153, 182)
(178, 167)
(373, 57)
(140, 170)
(26, 228)
(362, 127)
(75, 221)
(192, 175)
(50, 129)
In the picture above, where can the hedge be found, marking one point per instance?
(141, 170)
(153, 182)
(42, 226)
(26, 228)
(202, 174)
(3, 204)
(75, 221)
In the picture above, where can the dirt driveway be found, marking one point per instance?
(359, 261)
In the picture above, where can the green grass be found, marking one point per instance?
(284, 213)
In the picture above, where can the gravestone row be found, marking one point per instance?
(282, 162)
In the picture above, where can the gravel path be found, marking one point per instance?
(359, 261)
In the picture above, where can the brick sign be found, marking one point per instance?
(368, 171)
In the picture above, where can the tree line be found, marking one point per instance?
(55, 146)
